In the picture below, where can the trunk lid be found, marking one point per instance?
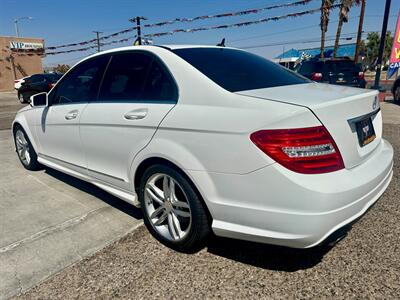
(338, 108)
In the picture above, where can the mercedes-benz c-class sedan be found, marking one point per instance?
(212, 139)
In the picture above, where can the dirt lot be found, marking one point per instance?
(366, 264)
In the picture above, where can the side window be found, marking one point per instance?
(36, 78)
(159, 85)
(125, 77)
(81, 84)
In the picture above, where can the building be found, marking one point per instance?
(290, 57)
(19, 57)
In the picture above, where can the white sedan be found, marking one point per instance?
(213, 139)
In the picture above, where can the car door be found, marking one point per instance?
(58, 127)
(136, 93)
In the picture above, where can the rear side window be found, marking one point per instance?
(136, 77)
(81, 84)
(159, 85)
(236, 70)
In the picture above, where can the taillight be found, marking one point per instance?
(361, 75)
(309, 150)
(316, 76)
(16, 81)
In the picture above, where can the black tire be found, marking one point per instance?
(200, 221)
(32, 164)
(25, 97)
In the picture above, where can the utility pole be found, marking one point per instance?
(139, 32)
(138, 29)
(360, 27)
(98, 39)
(382, 45)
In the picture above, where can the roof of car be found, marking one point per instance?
(149, 47)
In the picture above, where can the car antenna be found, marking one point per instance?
(222, 44)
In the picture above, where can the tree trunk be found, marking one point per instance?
(360, 27)
(338, 32)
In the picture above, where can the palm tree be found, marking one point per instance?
(343, 18)
(325, 10)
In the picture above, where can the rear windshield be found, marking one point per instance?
(311, 67)
(236, 70)
(53, 77)
(342, 66)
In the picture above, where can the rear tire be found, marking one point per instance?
(173, 211)
(26, 154)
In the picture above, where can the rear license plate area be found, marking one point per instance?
(365, 131)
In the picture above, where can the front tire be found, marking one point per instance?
(21, 98)
(25, 151)
(173, 211)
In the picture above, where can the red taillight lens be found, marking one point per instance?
(316, 76)
(304, 150)
(361, 75)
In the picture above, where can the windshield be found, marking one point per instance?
(236, 70)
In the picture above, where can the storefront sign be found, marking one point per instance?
(395, 54)
(25, 45)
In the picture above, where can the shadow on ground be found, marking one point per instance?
(96, 192)
(266, 256)
(391, 101)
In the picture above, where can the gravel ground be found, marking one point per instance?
(366, 264)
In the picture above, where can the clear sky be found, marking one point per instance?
(60, 22)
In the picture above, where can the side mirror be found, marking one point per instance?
(39, 99)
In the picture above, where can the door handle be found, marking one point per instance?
(71, 115)
(136, 114)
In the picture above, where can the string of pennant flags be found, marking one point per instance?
(169, 22)
(192, 30)
(41, 52)
(230, 14)
(259, 21)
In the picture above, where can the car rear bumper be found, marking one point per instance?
(277, 206)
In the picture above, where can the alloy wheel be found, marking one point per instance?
(167, 207)
(23, 148)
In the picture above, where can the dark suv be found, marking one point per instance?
(333, 71)
(35, 84)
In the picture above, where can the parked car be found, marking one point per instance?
(213, 139)
(333, 71)
(35, 84)
(396, 90)
(18, 82)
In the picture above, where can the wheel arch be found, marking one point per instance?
(154, 160)
(21, 122)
